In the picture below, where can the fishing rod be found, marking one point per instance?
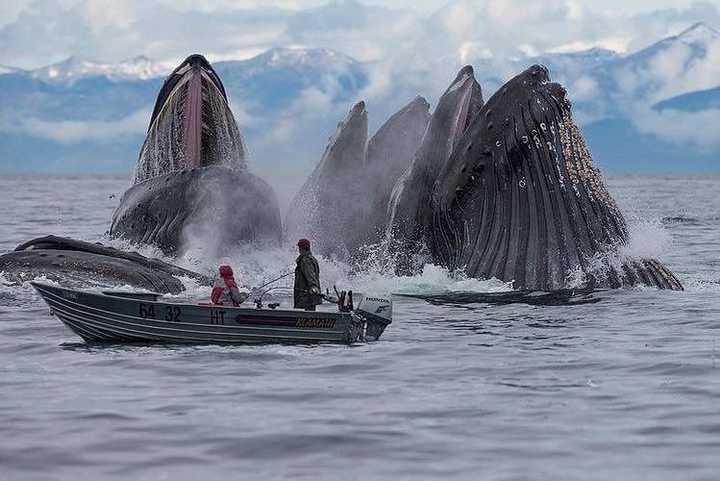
(283, 276)
(258, 300)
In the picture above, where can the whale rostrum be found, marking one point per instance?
(520, 199)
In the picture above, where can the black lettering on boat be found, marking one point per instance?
(147, 310)
(217, 317)
(377, 299)
(172, 313)
(316, 323)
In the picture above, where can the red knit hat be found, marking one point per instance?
(226, 271)
(304, 244)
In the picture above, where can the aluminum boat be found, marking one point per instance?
(128, 317)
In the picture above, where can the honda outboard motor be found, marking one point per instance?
(377, 314)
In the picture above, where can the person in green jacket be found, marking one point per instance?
(307, 278)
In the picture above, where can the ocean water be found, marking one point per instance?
(612, 385)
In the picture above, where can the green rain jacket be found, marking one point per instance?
(307, 275)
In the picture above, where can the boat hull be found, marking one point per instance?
(112, 318)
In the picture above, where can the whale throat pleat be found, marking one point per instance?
(521, 201)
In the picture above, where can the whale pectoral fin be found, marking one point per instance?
(650, 272)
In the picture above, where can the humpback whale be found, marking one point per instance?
(520, 200)
(68, 260)
(191, 181)
(191, 176)
(342, 204)
(505, 189)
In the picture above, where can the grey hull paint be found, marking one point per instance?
(97, 317)
(77, 262)
(108, 317)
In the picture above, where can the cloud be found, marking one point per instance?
(406, 51)
(676, 70)
(680, 127)
(47, 31)
(584, 88)
(75, 131)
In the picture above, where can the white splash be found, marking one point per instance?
(648, 238)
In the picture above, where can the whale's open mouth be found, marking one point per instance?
(407, 210)
(191, 125)
(467, 105)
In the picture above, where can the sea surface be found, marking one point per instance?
(614, 385)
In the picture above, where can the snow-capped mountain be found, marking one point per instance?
(280, 57)
(142, 68)
(5, 69)
(638, 110)
(674, 66)
(699, 36)
(75, 68)
(44, 112)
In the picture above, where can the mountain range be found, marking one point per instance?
(650, 110)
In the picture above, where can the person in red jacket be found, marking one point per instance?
(225, 289)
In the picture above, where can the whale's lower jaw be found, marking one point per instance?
(222, 206)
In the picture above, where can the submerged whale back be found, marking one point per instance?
(81, 263)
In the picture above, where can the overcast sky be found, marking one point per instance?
(34, 33)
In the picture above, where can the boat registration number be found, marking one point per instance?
(169, 313)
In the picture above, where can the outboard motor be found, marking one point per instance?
(377, 314)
